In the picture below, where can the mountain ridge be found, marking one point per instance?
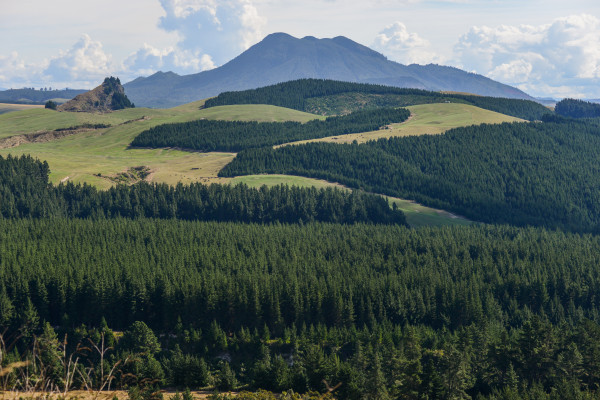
(280, 57)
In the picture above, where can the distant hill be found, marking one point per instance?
(33, 96)
(328, 97)
(281, 57)
(107, 97)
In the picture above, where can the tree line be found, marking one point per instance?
(215, 135)
(543, 174)
(26, 193)
(306, 94)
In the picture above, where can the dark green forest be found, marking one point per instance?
(387, 311)
(543, 174)
(577, 109)
(312, 95)
(26, 193)
(215, 135)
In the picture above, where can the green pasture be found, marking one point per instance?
(427, 119)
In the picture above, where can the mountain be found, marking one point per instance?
(280, 57)
(30, 95)
(107, 97)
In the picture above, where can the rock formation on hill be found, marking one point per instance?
(109, 96)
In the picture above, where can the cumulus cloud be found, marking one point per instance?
(13, 68)
(86, 62)
(546, 59)
(220, 29)
(148, 60)
(400, 45)
(210, 33)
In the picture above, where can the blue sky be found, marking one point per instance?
(547, 48)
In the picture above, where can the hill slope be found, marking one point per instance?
(280, 57)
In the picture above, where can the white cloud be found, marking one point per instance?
(220, 29)
(12, 67)
(396, 42)
(210, 33)
(86, 62)
(148, 60)
(545, 59)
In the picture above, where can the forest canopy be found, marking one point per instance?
(577, 109)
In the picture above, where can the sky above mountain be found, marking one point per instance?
(547, 48)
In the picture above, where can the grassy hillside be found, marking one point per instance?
(427, 119)
(8, 107)
(81, 157)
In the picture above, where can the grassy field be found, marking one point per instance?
(81, 157)
(427, 119)
(416, 214)
(6, 107)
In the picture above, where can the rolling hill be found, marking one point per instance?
(102, 156)
(281, 57)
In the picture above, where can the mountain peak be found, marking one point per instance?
(280, 57)
(278, 36)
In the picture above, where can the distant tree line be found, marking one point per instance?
(577, 109)
(215, 135)
(543, 174)
(26, 193)
(300, 95)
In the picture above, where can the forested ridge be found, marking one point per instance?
(214, 135)
(544, 174)
(304, 93)
(387, 311)
(574, 108)
(26, 193)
